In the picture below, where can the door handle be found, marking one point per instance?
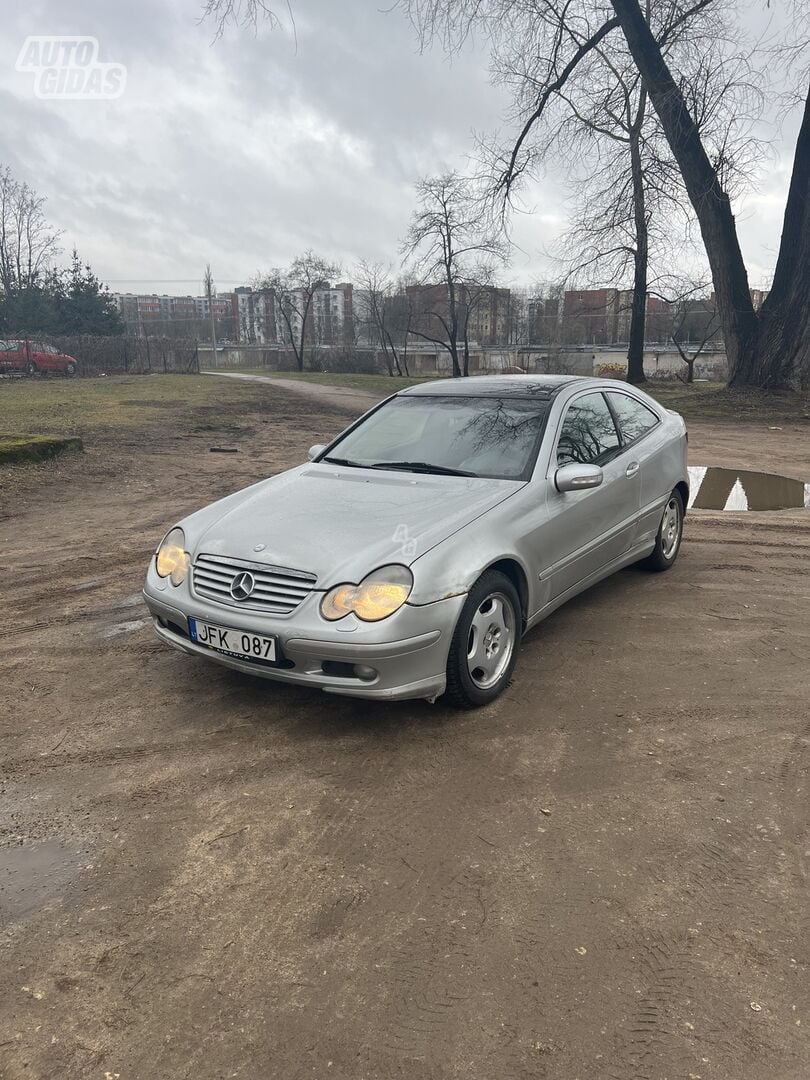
(632, 469)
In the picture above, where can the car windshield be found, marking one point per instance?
(494, 437)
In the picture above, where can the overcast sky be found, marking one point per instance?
(245, 152)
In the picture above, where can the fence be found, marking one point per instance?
(128, 354)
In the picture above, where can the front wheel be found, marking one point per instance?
(668, 537)
(31, 367)
(484, 648)
(70, 369)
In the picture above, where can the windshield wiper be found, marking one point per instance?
(421, 467)
(347, 461)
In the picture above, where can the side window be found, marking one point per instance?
(634, 418)
(588, 435)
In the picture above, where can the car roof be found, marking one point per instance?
(496, 386)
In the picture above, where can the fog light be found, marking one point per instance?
(363, 671)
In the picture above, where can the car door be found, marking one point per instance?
(8, 355)
(647, 441)
(12, 356)
(41, 356)
(585, 531)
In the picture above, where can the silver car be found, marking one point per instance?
(408, 557)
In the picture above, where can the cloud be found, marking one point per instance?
(245, 152)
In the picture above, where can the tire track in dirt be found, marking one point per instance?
(726, 881)
(65, 620)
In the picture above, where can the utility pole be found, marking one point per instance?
(208, 282)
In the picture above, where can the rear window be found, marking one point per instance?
(634, 418)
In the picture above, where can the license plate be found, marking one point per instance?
(238, 643)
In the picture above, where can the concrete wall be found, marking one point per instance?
(428, 361)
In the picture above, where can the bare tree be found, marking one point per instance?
(448, 233)
(476, 288)
(293, 292)
(27, 241)
(244, 13)
(210, 293)
(691, 335)
(375, 290)
(764, 348)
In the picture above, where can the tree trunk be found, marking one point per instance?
(638, 314)
(784, 321)
(453, 328)
(405, 350)
(711, 203)
(299, 352)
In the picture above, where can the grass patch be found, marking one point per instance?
(103, 408)
(111, 405)
(700, 401)
(714, 401)
(35, 448)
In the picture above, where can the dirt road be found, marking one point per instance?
(204, 875)
(353, 401)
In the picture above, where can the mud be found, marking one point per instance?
(601, 876)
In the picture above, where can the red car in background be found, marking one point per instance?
(35, 357)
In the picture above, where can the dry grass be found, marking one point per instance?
(91, 407)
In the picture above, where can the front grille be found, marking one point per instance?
(277, 588)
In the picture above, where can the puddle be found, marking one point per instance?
(33, 874)
(736, 489)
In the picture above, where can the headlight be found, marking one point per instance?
(172, 559)
(377, 596)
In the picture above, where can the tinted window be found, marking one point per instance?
(588, 433)
(487, 436)
(634, 418)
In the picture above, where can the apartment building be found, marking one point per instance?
(485, 310)
(175, 316)
(254, 316)
(329, 315)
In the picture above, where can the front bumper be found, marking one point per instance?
(405, 656)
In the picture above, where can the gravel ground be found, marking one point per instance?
(205, 875)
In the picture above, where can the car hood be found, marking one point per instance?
(342, 523)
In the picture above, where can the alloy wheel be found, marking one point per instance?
(671, 528)
(491, 640)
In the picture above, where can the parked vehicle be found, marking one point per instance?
(410, 555)
(35, 358)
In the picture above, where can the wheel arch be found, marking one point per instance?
(683, 490)
(512, 569)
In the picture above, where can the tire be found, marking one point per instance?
(669, 536)
(70, 369)
(31, 368)
(476, 672)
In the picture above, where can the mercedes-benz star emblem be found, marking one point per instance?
(242, 585)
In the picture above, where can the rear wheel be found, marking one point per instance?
(31, 367)
(484, 648)
(668, 538)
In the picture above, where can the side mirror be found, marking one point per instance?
(577, 477)
(315, 450)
